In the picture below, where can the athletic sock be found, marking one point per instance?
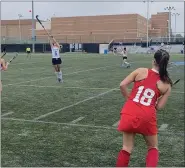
(127, 63)
(152, 157)
(60, 75)
(123, 159)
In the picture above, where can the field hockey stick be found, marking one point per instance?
(12, 58)
(172, 65)
(175, 82)
(3, 55)
(37, 17)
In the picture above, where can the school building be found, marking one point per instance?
(88, 29)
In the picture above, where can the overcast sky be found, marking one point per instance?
(10, 10)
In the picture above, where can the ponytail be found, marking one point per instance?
(162, 59)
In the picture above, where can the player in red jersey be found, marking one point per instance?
(150, 92)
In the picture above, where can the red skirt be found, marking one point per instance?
(135, 119)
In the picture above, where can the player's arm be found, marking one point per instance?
(51, 42)
(164, 98)
(127, 81)
(4, 64)
(54, 40)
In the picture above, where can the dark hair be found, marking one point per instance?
(162, 58)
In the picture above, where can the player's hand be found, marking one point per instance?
(7, 63)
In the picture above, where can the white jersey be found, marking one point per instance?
(55, 52)
(124, 53)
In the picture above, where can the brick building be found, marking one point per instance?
(99, 29)
(87, 29)
(15, 29)
(159, 24)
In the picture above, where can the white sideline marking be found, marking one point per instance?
(63, 74)
(3, 115)
(82, 125)
(25, 63)
(56, 123)
(116, 124)
(40, 68)
(78, 119)
(85, 88)
(82, 101)
(163, 127)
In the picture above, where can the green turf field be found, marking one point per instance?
(49, 124)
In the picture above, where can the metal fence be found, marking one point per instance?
(92, 39)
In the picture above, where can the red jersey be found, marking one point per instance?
(138, 114)
(145, 92)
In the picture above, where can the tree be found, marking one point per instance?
(179, 38)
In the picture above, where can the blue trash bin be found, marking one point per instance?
(105, 51)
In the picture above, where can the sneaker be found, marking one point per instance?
(128, 66)
(60, 80)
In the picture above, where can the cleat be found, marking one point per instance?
(128, 66)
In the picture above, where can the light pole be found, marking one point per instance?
(20, 38)
(148, 9)
(33, 29)
(175, 14)
(169, 36)
(169, 8)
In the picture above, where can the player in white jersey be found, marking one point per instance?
(124, 56)
(56, 60)
(3, 66)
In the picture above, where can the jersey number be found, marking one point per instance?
(56, 53)
(146, 98)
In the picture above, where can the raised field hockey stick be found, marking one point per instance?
(37, 17)
(3, 55)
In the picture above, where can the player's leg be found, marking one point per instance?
(55, 67)
(59, 62)
(124, 154)
(126, 63)
(30, 55)
(56, 71)
(123, 63)
(59, 73)
(152, 156)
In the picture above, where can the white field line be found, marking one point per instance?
(6, 114)
(116, 124)
(77, 120)
(85, 88)
(65, 56)
(41, 68)
(56, 123)
(72, 105)
(163, 127)
(181, 133)
(20, 63)
(76, 72)
(40, 62)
